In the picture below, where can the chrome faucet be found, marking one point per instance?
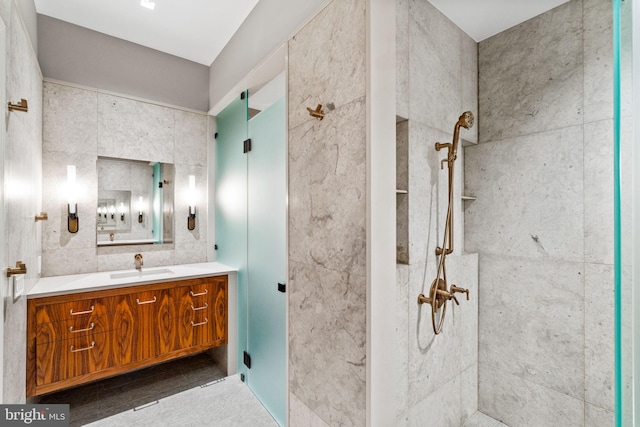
(138, 261)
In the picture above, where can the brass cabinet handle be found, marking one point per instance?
(93, 344)
(199, 308)
(78, 313)
(81, 330)
(201, 323)
(206, 291)
(146, 302)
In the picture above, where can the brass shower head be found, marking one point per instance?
(466, 120)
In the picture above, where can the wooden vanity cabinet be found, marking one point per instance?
(76, 338)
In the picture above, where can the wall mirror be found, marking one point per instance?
(135, 202)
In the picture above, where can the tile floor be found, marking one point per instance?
(191, 391)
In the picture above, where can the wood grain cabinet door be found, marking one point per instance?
(142, 326)
(63, 321)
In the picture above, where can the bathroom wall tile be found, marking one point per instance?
(532, 321)
(116, 175)
(327, 61)
(469, 85)
(435, 67)
(438, 409)
(598, 417)
(189, 253)
(70, 119)
(518, 402)
(301, 415)
(181, 204)
(327, 333)
(598, 60)
(402, 58)
(527, 87)
(190, 138)
(327, 200)
(468, 393)
(402, 338)
(54, 200)
(426, 214)
(125, 261)
(402, 200)
(533, 204)
(463, 272)
(60, 262)
(598, 192)
(136, 130)
(599, 340)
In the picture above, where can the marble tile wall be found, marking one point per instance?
(23, 184)
(436, 82)
(542, 220)
(80, 124)
(327, 219)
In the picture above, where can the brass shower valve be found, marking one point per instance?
(455, 289)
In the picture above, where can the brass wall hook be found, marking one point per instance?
(42, 217)
(317, 113)
(21, 106)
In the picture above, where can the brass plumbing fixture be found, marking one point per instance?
(317, 113)
(42, 217)
(20, 268)
(438, 292)
(138, 261)
(20, 106)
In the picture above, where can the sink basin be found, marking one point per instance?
(141, 273)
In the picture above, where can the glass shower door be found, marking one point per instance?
(267, 259)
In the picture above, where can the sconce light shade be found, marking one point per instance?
(140, 209)
(72, 205)
(191, 197)
(121, 211)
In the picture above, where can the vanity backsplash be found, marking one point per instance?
(83, 124)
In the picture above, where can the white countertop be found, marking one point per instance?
(75, 283)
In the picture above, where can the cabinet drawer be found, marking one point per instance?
(59, 360)
(62, 321)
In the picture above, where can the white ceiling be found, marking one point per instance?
(198, 30)
(481, 19)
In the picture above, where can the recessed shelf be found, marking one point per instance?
(468, 197)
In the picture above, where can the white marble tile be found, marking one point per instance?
(125, 261)
(531, 75)
(135, 130)
(181, 204)
(435, 67)
(402, 58)
(598, 417)
(462, 271)
(190, 138)
(60, 262)
(402, 338)
(598, 192)
(327, 200)
(532, 321)
(529, 196)
(469, 84)
(301, 415)
(327, 334)
(599, 340)
(70, 119)
(327, 61)
(188, 253)
(598, 60)
(468, 393)
(481, 420)
(439, 408)
(518, 402)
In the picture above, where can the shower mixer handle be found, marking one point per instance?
(441, 145)
(455, 289)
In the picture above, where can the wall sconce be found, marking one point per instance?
(191, 198)
(122, 211)
(112, 211)
(72, 205)
(140, 209)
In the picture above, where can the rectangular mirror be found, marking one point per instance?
(135, 202)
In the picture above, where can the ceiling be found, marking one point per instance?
(198, 30)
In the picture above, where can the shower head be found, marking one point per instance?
(466, 120)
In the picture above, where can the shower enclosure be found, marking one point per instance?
(627, 238)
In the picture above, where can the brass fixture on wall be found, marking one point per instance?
(439, 292)
(20, 268)
(317, 113)
(20, 106)
(42, 217)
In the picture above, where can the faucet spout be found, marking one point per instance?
(138, 261)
